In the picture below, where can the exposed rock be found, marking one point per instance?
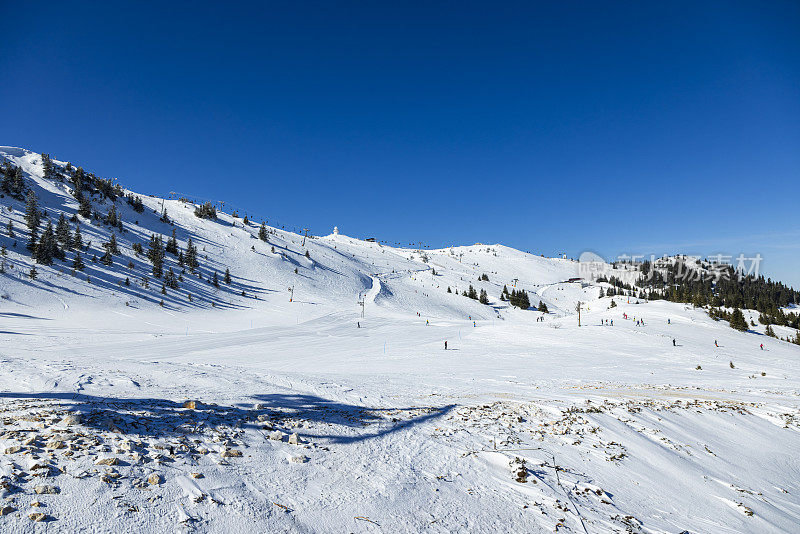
(301, 459)
(55, 444)
(107, 461)
(294, 439)
(197, 475)
(276, 435)
(231, 453)
(37, 517)
(5, 510)
(46, 490)
(154, 479)
(13, 449)
(191, 405)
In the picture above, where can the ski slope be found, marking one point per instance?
(308, 417)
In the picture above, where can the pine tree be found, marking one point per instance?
(107, 259)
(170, 280)
(155, 254)
(62, 231)
(191, 256)
(32, 216)
(32, 241)
(543, 307)
(77, 239)
(602, 293)
(10, 228)
(112, 244)
(215, 280)
(738, 321)
(33, 273)
(246, 221)
(484, 298)
(262, 232)
(112, 218)
(449, 290)
(472, 293)
(84, 207)
(769, 331)
(46, 248)
(227, 276)
(77, 263)
(172, 244)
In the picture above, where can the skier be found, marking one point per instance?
(427, 323)
(445, 345)
(715, 343)
(673, 342)
(762, 346)
(612, 322)
(668, 321)
(359, 324)
(473, 324)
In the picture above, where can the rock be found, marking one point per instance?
(46, 490)
(5, 510)
(37, 517)
(29, 441)
(36, 504)
(231, 453)
(263, 417)
(71, 419)
(154, 479)
(197, 475)
(276, 435)
(191, 405)
(55, 444)
(13, 449)
(107, 461)
(298, 459)
(294, 439)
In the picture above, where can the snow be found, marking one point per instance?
(520, 426)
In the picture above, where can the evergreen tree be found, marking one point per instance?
(191, 256)
(32, 241)
(112, 219)
(484, 298)
(172, 244)
(170, 280)
(62, 231)
(449, 290)
(10, 228)
(77, 263)
(227, 276)
(49, 169)
(262, 232)
(112, 246)
(84, 207)
(33, 273)
(543, 307)
(32, 216)
(107, 259)
(737, 320)
(46, 249)
(155, 254)
(77, 239)
(215, 280)
(472, 293)
(769, 331)
(602, 293)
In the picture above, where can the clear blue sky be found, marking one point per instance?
(630, 127)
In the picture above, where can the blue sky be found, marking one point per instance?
(629, 127)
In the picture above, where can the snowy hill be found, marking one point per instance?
(239, 410)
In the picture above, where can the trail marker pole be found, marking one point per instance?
(578, 309)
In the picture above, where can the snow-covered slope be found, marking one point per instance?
(521, 425)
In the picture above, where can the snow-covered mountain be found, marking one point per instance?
(333, 269)
(315, 392)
